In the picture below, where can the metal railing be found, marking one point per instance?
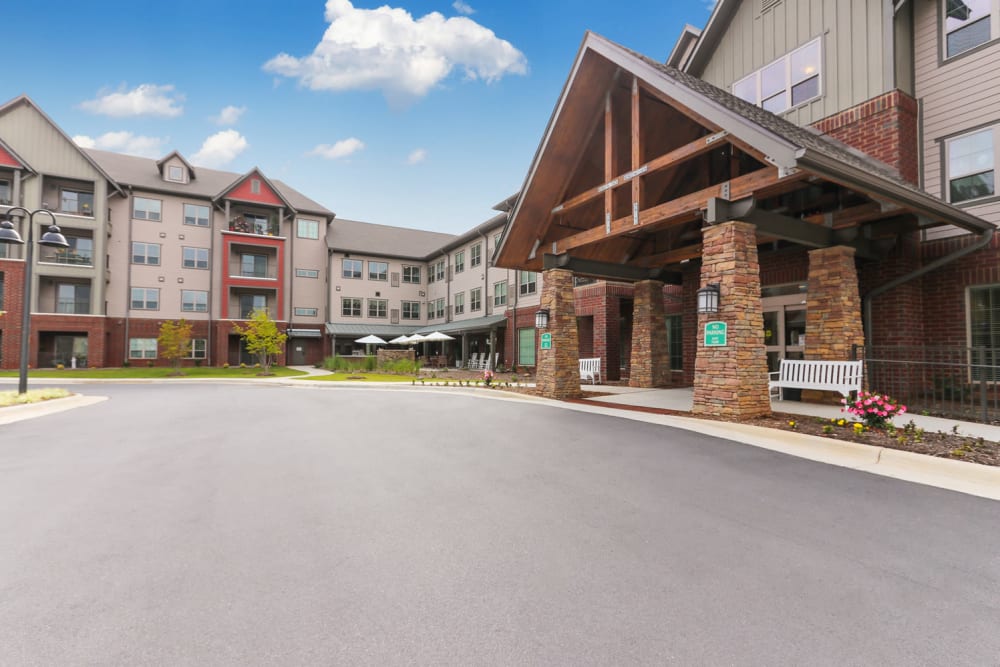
(944, 381)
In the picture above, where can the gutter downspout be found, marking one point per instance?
(866, 300)
(127, 351)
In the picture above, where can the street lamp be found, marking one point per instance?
(52, 238)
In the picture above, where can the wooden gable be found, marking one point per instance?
(255, 188)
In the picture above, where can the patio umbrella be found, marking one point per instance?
(370, 339)
(436, 337)
(415, 338)
(400, 340)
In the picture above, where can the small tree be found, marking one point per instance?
(174, 342)
(262, 338)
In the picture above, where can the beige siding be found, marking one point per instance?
(955, 96)
(365, 289)
(852, 46)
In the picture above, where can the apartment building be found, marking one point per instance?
(153, 240)
(853, 141)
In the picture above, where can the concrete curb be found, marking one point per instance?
(16, 413)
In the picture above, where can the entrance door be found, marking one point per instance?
(784, 328)
(298, 349)
(69, 350)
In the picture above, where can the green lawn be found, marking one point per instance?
(158, 372)
(8, 398)
(361, 376)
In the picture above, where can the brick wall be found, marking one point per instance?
(884, 127)
(10, 322)
(119, 332)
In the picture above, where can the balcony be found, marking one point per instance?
(254, 224)
(243, 302)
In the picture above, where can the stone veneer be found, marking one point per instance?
(731, 381)
(833, 311)
(558, 369)
(650, 363)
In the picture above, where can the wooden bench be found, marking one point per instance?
(590, 369)
(839, 376)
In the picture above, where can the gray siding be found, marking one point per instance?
(852, 48)
(955, 97)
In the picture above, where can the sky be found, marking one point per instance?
(414, 113)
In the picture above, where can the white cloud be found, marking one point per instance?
(220, 148)
(145, 100)
(229, 115)
(418, 155)
(463, 7)
(342, 148)
(387, 49)
(710, 4)
(124, 142)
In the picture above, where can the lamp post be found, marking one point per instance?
(52, 238)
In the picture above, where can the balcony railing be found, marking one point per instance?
(237, 313)
(70, 257)
(269, 274)
(259, 227)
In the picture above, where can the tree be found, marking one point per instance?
(262, 338)
(174, 342)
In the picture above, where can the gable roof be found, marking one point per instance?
(15, 160)
(384, 240)
(24, 99)
(255, 170)
(143, 174)
(708, 38)
(171, 155)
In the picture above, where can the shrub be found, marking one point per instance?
(60, 367)
(874, 410)
(402, 367)
(126, 363)
(225, 365)
(197, 363)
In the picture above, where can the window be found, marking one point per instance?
(378, 270)
(145, 298)
(76, 202)
(475, 299)
(73, 298)
(142, 348)
(350, 307)
(308, 229)
(527, 282)
(306, 273)
(984, 325)
(476, 255)
(199, 348)
(967, 24)
(675, 344)
(194, 301)
(146, 209)
(352, 268)
(5, 192)
(253, 266)
(411, 274)
(249, 303)
(79, 253)
(438, 308)
(175, 173)
(500, 294)
(194, 258)
(787, 82)
(411, 310)
(255, 186)
(378, 308)
(146, 253)
(460, 303)
(257, 224)
(496, 239)
(526, 346)
(306, 312)
(460, 261)
(195, 214)
(970, 166)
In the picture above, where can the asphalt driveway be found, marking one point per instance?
(217, 524)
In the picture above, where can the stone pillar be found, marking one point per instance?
(833, 311)
(731, 381)
(650, 362)
(558, 369)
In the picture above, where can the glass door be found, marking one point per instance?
(784, 328)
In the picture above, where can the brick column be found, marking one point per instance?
(731, 381)
(558, 369)
(650, 363)
(833, 310)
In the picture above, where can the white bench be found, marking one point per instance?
(590, 369)
(839, 376)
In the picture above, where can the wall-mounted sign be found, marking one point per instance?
(546, 343)
(715, 334)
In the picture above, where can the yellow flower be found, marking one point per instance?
(792, 424)
(859, 427)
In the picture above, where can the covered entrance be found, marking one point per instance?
(62, 348)
(648, 175)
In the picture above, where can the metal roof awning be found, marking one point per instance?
(381, 330)
(305, 333)
(460, 326)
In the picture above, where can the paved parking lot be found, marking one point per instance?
(219, 524)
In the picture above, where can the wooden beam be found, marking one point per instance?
(607, 270)
(682, 209)
(855, 215)
(669, 257)
(636, 153)
(609, 159)
(673, 158)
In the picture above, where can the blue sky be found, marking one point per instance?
(415, 113)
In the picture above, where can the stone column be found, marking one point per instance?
(558, 369)
(650, 363)
(833, 311)
(731, 381)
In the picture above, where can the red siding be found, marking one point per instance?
(8, 160)
(244, 192)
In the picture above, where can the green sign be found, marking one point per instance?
(715, 334)
(546, 341)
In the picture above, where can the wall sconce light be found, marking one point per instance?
(708, 299)
(542, 318)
